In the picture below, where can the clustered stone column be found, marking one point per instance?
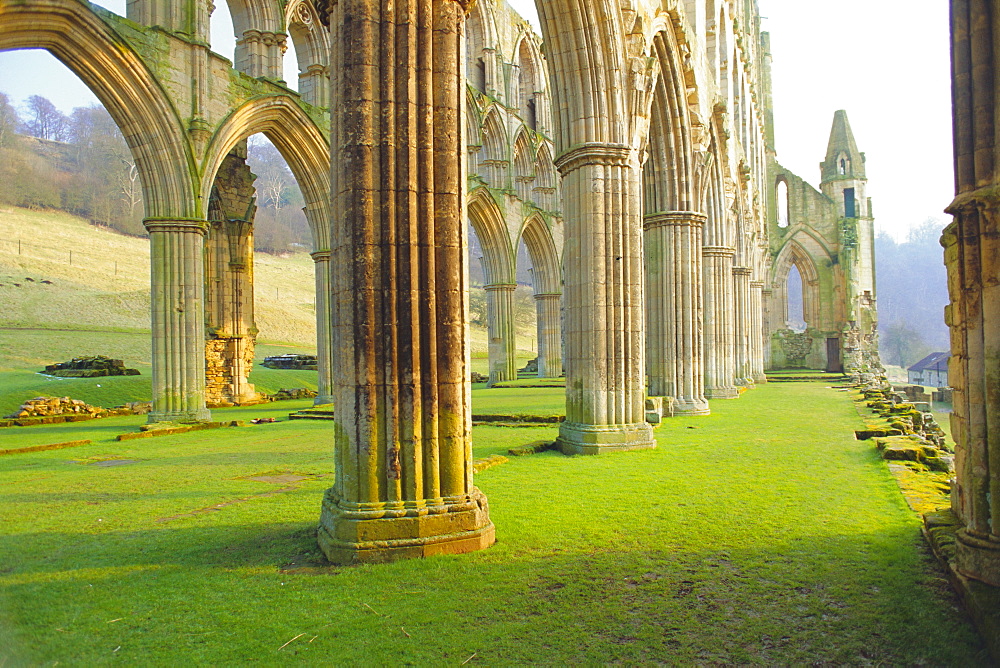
(972, 255)
(757, 332)
(674, 314)
(720, 345)
(324, 315)
(178, 319)
(403, 448)
(548, 308)
(743, 325)
(260, 54)
(231, 332)
(605, 342)
(500, 330)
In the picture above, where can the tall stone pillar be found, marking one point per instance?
(500, 329)
(549, 311)
(742, 326)
(767, 295)
(324, 316)
(402, 438)
(230, 329)
(605, 342)
(972, 255)
(757, 332)
(720, 344)
(178, 319)
(674, 314)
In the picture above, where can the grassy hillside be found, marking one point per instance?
(96, 302)
(100, 282)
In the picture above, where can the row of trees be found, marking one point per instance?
(81, 164)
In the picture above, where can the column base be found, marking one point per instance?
(200, 415)
(721, 393)
(383, 532)
(978, 556)
(682, 407)
(759, 378)
(745, 382)
(323, 400)
(585, 439)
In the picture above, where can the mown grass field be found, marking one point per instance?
(759, 534)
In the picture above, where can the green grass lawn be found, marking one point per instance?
(758, 534)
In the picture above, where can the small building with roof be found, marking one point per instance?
(931, 371)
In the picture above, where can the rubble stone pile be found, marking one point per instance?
(913, 434)
(48, 406)
(90, 367)
(293, 393)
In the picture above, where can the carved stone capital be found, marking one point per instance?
(742, 271)
(718, 251)
(176, 225)
(674, 219)
(593, 154)
(321, 256)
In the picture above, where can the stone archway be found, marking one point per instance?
(499, 282)
(547, 280)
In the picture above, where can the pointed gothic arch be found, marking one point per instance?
(487, 220)
(299, 141)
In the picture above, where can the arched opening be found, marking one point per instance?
(475, 45)
(307, 61)
(537, 250)
(493, 160)
(781, 201)
(524, 175)
(490, 248)
(529, 81)
(795, 318)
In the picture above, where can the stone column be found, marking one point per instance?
(767, 295)
(178, 319)
(674, 314)
(402, 437)
(720, 345)
(324, 316)
(972, 254)
(500, 330)
(757, 332)
(605, 342)
(549, 311)
(742, 326)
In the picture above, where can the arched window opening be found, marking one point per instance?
(850, 205)
(528, 83)
(843, 166)
(796, 320)
(782, 203)
(475, 42)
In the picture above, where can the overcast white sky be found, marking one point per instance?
(886, 65)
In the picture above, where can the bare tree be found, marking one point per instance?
(131, 188)
(45, 121)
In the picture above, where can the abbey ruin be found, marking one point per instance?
(630, 147)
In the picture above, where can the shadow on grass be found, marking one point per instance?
(783, 602)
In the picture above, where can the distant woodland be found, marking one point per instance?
(912, 289)
(81, 164)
